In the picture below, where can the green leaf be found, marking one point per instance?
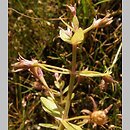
(59, 84)
(50, 107)
(65, 90)
(78, 36)
(100, 2)
(48, 126)
(70, 126)
(88, 11)
(92, 73)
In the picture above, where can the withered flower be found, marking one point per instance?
(24, 64)
(106, 80)
(98, 117)
(102, 22)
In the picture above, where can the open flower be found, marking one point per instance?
(77, 36)
(24, 64)
(66, 35)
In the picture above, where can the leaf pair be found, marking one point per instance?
(67, 125)
(56, 111)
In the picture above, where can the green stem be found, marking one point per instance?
(65, 71)
(115, 59)
(55, 67)
(88, 29)
(78, 117)
(71, 85)
(66, 24)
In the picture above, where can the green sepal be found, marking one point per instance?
(75, 22)
(78, 37)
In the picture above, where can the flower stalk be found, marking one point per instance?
(72, 81)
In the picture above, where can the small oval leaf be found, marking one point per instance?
(48, 126)
(50, 107)
(70, 126)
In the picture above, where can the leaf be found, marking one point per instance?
(88, 11)
(50, 107)
(48, 126)
(100, 2)
(70, 126)
(92, 73)
(65, 90)
(59, 84)
(72, 97)
(78, 37)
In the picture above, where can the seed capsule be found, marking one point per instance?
(99, 117)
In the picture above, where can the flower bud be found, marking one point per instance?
(72, 9)
(37, 72)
